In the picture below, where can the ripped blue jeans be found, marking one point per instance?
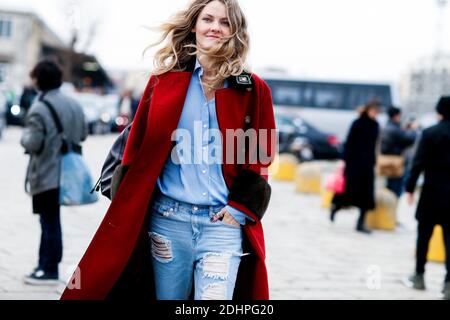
(189, 252)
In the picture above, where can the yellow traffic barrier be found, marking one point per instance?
(283, 167)
(326, 197)
(308, 178)
(384, 216)
(436, 250)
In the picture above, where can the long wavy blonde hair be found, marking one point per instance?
(228, 58)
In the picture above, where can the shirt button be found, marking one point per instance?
(203, 171)
(205, 126)
(204, 148)
(195, 208)
(204, 194)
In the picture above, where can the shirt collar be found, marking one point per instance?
(199, 67)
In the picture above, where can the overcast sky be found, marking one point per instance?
(338, 39)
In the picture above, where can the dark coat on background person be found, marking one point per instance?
(360, 158)
(395, 140)
(117, 264)
(27, 98)
(433, 158)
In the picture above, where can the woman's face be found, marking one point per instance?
(373, 113)
(212, 25)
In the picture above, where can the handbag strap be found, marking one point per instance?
(66, 146)
(53, 113)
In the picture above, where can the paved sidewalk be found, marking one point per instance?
(307, 256)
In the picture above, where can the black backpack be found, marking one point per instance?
(112, 170)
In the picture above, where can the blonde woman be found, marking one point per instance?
(185, 222)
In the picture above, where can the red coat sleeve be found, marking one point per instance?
(251, 192)
(267, 137)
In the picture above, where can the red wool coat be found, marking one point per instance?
(117, 263)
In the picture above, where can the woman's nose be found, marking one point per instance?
(215, 27)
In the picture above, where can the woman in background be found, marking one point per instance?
(360, 159)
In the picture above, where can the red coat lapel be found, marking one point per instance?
(165, 111)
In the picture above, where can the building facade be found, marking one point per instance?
(426, 81)
(23, 37)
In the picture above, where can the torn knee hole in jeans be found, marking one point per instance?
(215, 291)
(161, 248)
(216, 265)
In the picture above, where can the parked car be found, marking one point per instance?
(110, 111)
(18, 104)
(15, 114)
(289, 141)
(3, 106)
(300, 138)
(93, 104)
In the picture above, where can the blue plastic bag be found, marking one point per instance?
(75, 181)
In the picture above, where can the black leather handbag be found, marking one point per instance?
(113, 171)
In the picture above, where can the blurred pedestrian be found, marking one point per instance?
(394, 141)
(42, 142)
(185, 212)
(125, 103)
(411, 124)
(433, 159)
(26, 99)
(135, 99)
(128, 105)
(359, 157)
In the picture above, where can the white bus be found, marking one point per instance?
(328, 105)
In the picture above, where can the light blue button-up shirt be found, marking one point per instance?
(193, 172)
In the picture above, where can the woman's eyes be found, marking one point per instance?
(225, 23)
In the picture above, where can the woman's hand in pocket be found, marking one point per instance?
(225, 217)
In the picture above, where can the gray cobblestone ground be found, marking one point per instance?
(307, 257)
